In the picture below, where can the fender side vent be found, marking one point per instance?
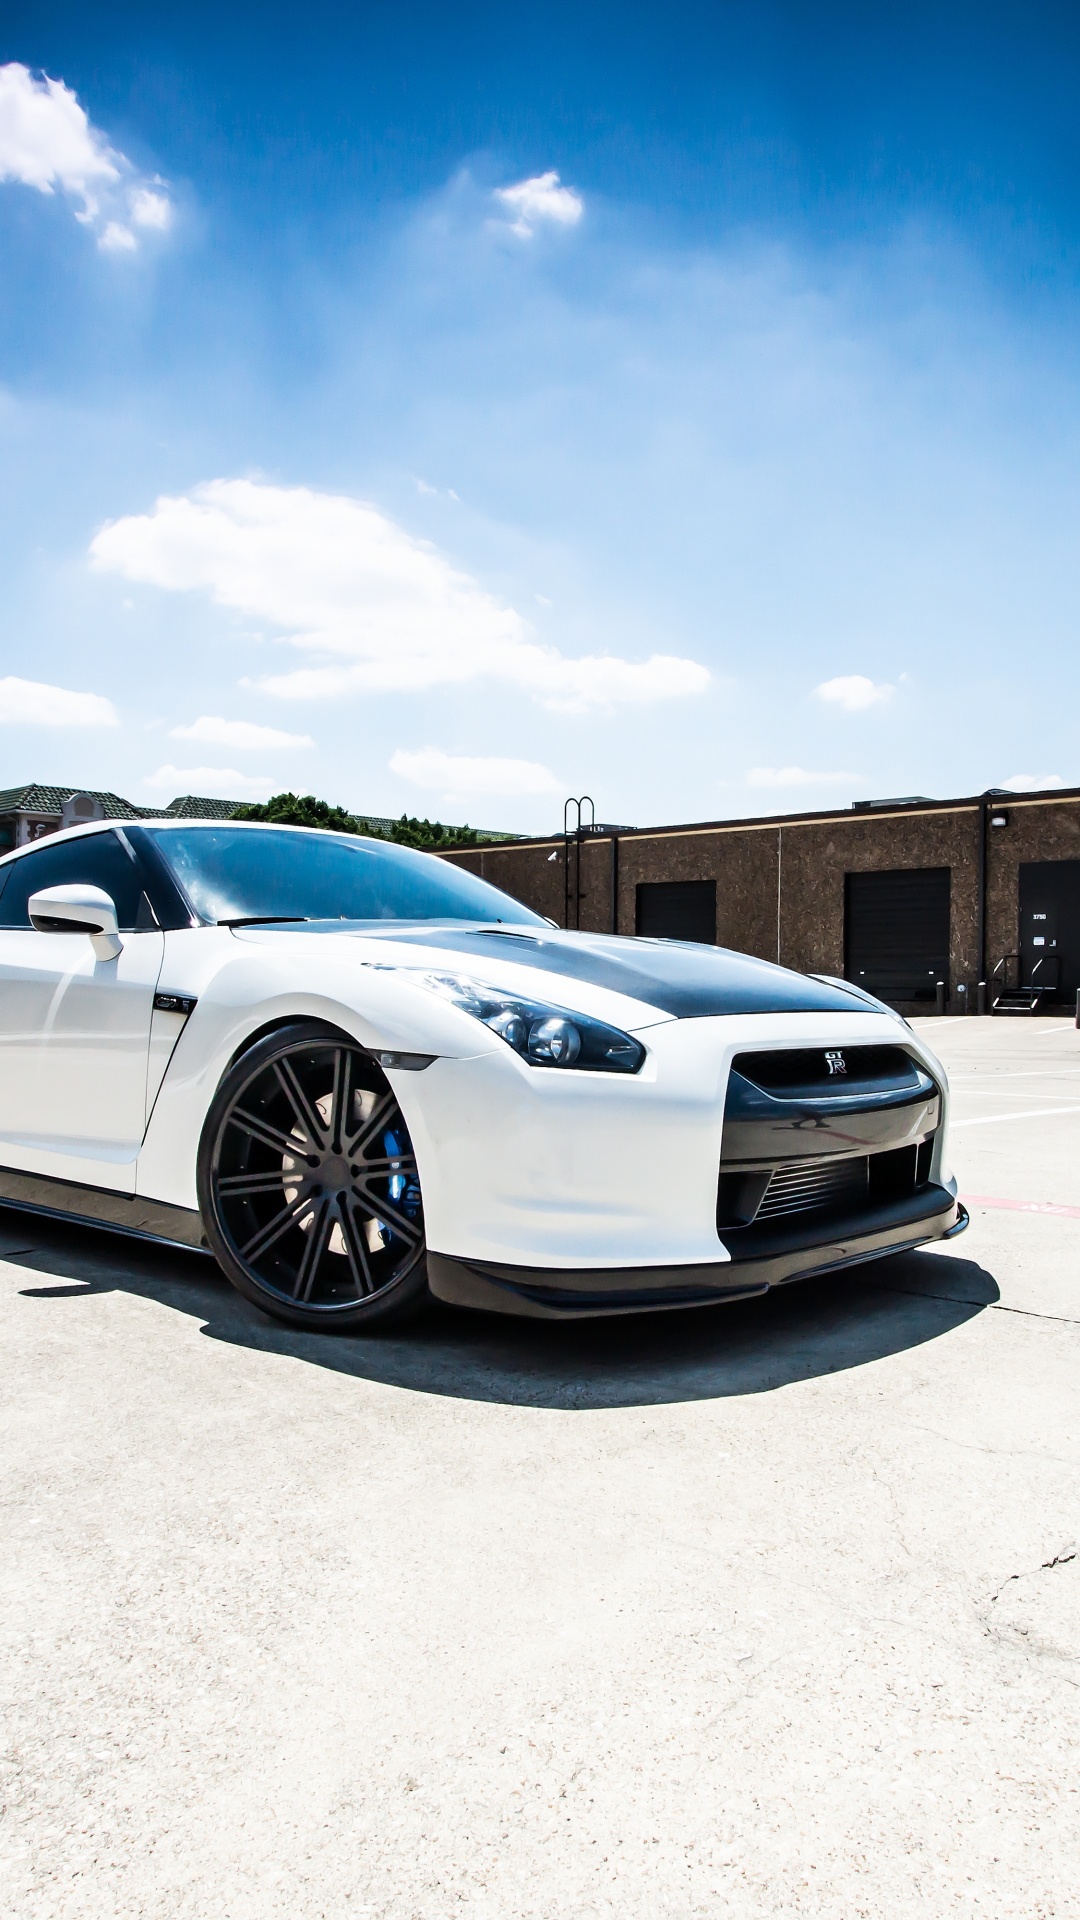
(184, 1003)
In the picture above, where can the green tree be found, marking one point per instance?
(431, 835)
(299, 810)
(304, 810)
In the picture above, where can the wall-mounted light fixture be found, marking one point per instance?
(999, 819)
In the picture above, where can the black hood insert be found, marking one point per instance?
(678, 977)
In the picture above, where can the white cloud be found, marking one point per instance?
(796, 777)
(217, 783)
(1032, 782)
(149, 209)
(31, 703)
(854, 692)
(116, 238)
(539, 199)
(47, 142)
(457, 773)
(238, 733)
(384, 611)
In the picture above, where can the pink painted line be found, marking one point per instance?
(1021, 1206)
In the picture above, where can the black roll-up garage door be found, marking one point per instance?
(896, 932)
(678, 910)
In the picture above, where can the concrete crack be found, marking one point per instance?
(991, 1306)
(1059, 1560)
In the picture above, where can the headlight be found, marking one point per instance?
(543, 1035)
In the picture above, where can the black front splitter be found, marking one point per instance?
(547, 1293)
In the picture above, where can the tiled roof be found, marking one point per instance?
(193, 806)
(50, 800)
(375, 820)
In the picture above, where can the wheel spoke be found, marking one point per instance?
(385, 1210)
(239, 1185)
(339, 1101)
(306, 1113)
(353, 1236)
(317, 1238)
(377, 1118)
(264, 1133)
(378, 1169)
(289, 1216)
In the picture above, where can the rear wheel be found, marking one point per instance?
(308, 1185)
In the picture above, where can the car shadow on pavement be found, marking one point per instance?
(800, 1332)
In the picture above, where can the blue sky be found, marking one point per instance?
(448, 409)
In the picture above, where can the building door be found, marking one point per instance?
(896, 933)
(677, 910)
(1050, 926)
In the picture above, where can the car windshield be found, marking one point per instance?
(271, 873)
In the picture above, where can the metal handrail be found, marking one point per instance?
(572, 839)
(1052, 961)
(1048, 985)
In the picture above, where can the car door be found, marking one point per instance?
(75, 1029)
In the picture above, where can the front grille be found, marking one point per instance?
(811, 1072)
(809, 1186)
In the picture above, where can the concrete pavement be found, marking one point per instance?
(765, 1610)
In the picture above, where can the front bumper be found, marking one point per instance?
(793, 1253)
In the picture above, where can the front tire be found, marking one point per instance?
(308, 1185)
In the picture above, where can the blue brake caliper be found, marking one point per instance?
(402, 1187)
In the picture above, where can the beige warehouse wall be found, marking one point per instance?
(780, 883)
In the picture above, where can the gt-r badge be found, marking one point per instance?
(836, 1063)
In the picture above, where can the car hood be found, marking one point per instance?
(680, 978)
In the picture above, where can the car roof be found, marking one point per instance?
(87, 829)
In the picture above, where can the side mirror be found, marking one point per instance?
(78, 909)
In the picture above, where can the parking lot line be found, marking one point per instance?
(989, 1077)
(1022, 1206)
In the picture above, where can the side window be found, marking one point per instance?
(101, 860)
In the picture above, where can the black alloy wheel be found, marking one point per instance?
(308, 1185)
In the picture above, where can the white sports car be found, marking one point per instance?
(359, 1075)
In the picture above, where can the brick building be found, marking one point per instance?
(900, 895)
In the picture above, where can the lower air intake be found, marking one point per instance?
(811, 1185)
